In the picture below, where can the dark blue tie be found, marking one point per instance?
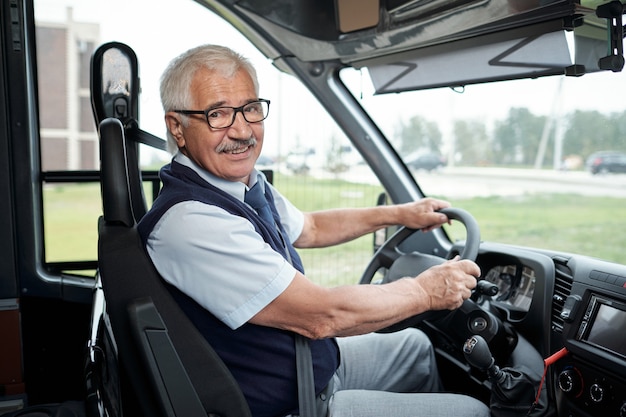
(256, 199)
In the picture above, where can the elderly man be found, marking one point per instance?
(231, 262)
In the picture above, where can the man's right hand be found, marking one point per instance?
(449, 284)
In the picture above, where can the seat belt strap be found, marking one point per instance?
(306, 382)
(133, 132)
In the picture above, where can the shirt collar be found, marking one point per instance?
(235, 188)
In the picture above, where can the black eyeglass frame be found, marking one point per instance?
(235, 111)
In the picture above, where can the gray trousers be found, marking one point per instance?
(393, 375)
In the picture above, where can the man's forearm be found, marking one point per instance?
(332, 227)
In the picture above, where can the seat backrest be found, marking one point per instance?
(143, 314)
(115, 185)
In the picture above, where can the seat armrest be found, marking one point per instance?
(175, 390)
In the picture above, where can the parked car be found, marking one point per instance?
(606, 161)
(426, 161)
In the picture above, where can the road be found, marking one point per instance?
(462, 182)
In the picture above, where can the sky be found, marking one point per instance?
(177, 26)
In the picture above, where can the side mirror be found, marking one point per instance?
(114, 83)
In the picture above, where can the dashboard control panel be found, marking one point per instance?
(592, 379)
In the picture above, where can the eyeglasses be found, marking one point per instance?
(223, 117)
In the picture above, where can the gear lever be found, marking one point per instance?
(513, 391)
(477, 353)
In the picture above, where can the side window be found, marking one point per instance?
(343, 264)
(313, 162)
(68, 142)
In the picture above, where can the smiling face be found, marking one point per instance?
(228, 153)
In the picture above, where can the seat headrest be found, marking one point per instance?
(114, 82)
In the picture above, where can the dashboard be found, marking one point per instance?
(555, 301)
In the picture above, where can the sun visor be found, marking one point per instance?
(524, 53)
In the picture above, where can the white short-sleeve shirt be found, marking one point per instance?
(218, 259)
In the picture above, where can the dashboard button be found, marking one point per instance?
(596, 393)
(597, 275)
(570, 382)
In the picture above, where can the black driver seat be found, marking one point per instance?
(165, 366)
(168, 366)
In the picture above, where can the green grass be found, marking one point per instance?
(71, 214)
(590, 226)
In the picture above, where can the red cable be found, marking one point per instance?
(546, 363)
(555, 357)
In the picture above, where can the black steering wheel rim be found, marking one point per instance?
(389, 253)
(472, 241)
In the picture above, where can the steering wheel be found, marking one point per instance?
(400, 264)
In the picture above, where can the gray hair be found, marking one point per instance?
(177, 78)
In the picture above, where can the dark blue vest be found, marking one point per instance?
(262, 359)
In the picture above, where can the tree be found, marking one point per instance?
(516, 138)
(419, 133)
(471, 142)
(591, 131)
(587, 132)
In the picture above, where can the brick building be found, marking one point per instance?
(67, 128)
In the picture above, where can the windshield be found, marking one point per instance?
(512, 153)
(529, 158)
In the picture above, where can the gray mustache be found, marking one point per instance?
(233, 145)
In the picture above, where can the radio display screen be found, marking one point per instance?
(605, 329)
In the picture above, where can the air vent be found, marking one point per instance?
(562, 289)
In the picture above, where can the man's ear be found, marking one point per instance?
(175, 127)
